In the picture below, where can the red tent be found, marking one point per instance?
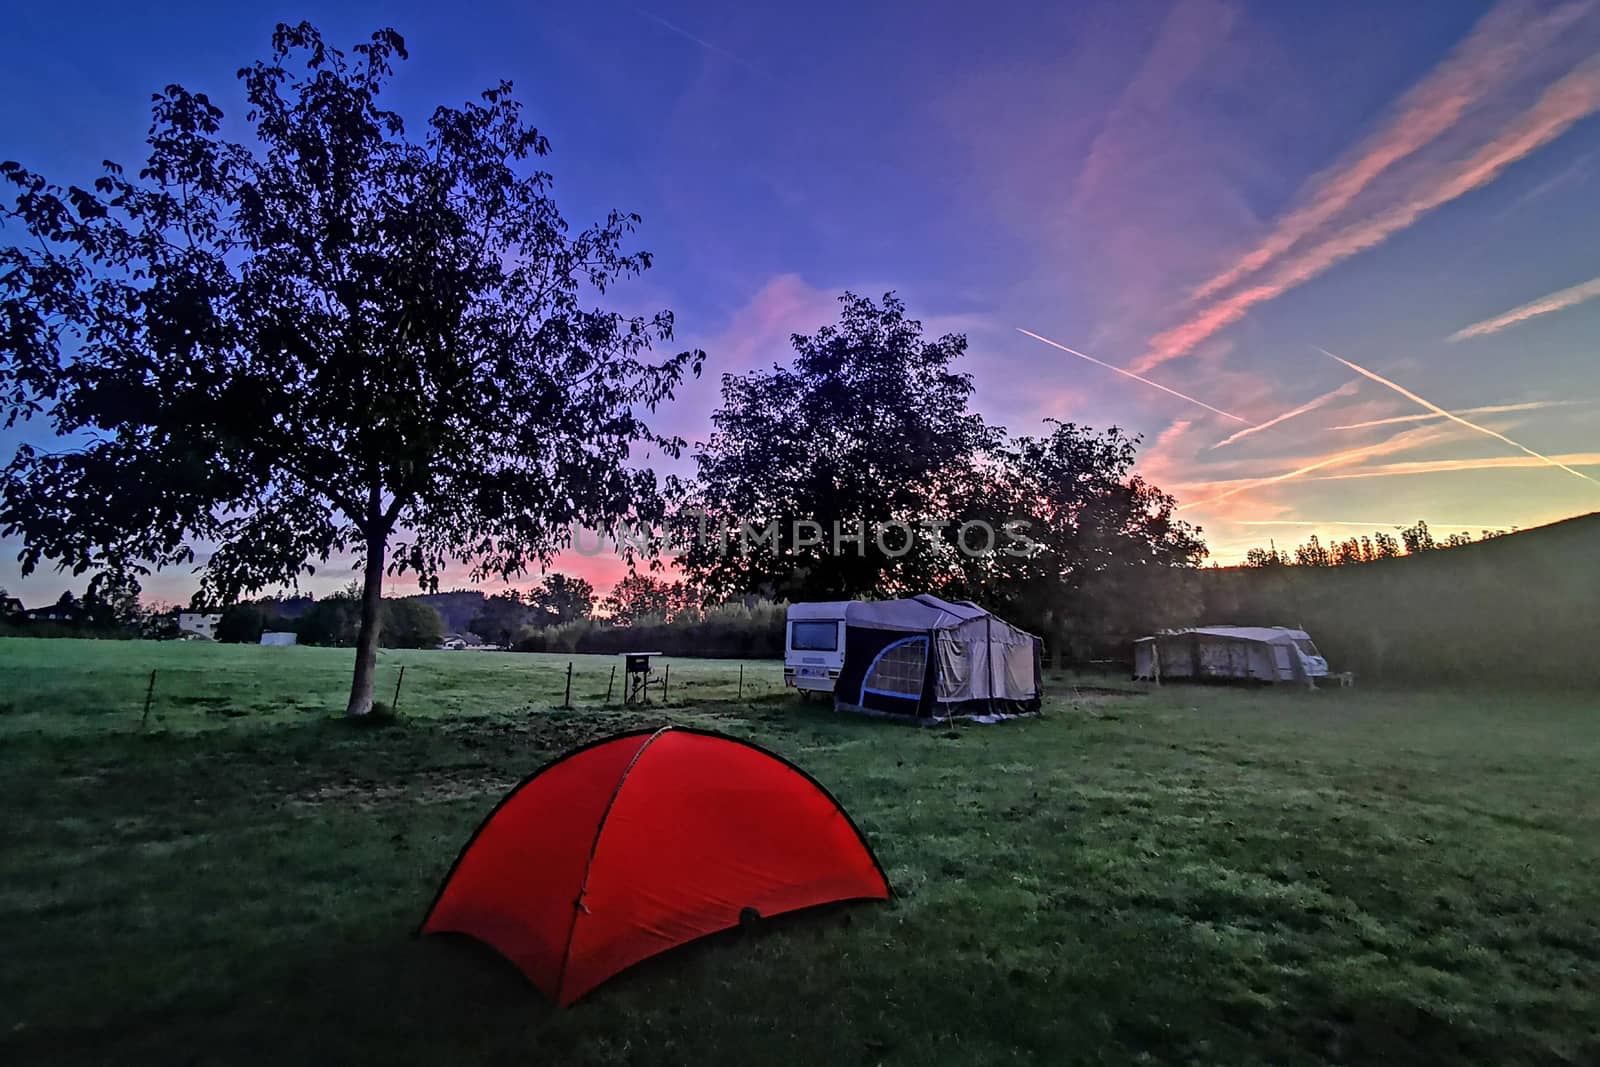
(642, 842)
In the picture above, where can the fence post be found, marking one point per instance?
(395, 705)
(741, 682)
(148, 693)
(610, 682)
(567, 703)
(666, 676)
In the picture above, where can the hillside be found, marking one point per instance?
(456, 607)
(1523, 607)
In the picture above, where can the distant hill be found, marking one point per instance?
(1521, 607)
(456, 607)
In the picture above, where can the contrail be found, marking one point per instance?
(1488, 409)
(1557, 301)
(1256, 483)
(1492, 54)
(1135, 377)
(1437, 410)
(1573, 98)
(702, 42)
(1311, 405)
(1444, 466)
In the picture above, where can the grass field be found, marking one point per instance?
(1190, 875)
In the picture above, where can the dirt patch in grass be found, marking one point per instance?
(1102, 691)
(426, 788)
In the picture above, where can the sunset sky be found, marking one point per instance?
(1245, 204)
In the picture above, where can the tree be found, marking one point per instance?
(410, 623)
(1417, 538)
(244, 624)
(334, 621)
(868, 424)
(500, 617)
(639, 595)
(1105, 557)
(321, 339)
(564, 598)
(1313, 553)
(1271, 556)
(112, 603)
(160, 622)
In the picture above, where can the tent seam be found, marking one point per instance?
(588, 864)
(505, 800)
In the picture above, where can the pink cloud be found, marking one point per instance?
(1187, 40)
(1211, 484)
(1557, 301)
(1478, 67)
(755, 335)
(1571, 99)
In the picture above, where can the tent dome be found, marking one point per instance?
(642, 842)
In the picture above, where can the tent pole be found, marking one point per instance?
(988, 634)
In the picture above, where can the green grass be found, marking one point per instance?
(1192, 875)
(69, 687)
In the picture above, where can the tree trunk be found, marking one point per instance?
(371, 621)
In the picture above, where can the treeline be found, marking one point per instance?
(1363, 549)
(559, 600)
(731, 631)
(1523, 609)
(109, 608)
(333, 621)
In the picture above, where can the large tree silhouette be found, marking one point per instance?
(327, 337)
(868, 425)
(1109, 559)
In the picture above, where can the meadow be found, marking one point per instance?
(1190, 874)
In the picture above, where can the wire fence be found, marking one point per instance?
(63, 685)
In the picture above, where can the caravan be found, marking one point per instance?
(813, 646)
(1260, 653)
(920, 658)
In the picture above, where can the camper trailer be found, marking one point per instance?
(1259, 653)
(813, 646)
(921, 658)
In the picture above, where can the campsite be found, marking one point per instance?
(698, 532)
(1239, 875)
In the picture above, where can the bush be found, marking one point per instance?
(410, 623)
(729, 631)
(242, 624)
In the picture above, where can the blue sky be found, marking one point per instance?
(1370, 178)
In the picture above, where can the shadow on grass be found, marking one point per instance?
(442, 999)
(391, 1001)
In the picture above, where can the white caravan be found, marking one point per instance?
(1265, 653)
(813, 646)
